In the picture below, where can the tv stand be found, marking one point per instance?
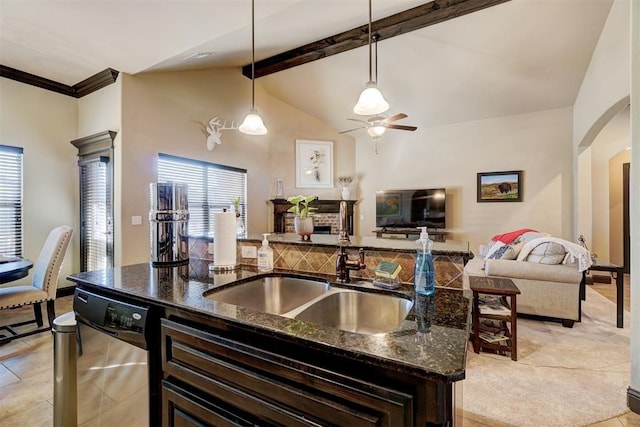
(435, 235)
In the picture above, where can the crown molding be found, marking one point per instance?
(33, 80)
(95, 82)
(85, 87)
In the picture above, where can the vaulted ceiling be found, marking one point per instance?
(516, 57)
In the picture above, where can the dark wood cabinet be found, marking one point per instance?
(210, 376)
(280, 207)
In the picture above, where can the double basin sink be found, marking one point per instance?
(316, 301)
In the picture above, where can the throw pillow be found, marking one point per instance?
(512, 251)
(547, 253)
(495, 247)
(508, 252)
(484, 249)
(527, 237)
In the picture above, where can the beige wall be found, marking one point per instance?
(43, 123)
(605, 88)
(166, 113)
(584, 210)
(539, 144)
(612, 140)
(603, 94)
(616, 207)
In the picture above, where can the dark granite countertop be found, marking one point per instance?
(439, 354)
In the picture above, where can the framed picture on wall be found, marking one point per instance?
(500, 186)
(314, 164)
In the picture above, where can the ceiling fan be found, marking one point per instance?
(377, 125)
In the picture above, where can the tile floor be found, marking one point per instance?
(26, 381)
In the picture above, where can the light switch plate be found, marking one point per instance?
(249, 252)
(136, 220)
(210, 248)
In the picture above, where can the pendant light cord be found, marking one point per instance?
(253, 55)
(370, 73)
(375, 39)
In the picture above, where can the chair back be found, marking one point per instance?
(47, 267)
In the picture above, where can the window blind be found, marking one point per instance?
(95, 201)
(211, 187)
(11, 199)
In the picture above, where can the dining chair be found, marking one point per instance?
(43, 286)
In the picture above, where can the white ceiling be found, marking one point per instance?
(518, 57)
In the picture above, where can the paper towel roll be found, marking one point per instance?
(224, 239)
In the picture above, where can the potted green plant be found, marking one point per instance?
(235, 203)
(303, 221)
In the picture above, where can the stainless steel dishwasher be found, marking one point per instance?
(112, 368)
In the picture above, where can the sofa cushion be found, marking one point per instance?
(547, 253)
(532, 271)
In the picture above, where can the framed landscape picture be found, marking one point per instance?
(314, 164)
(500, 186)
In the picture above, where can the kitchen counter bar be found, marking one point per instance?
(438, 355)
(422, 366)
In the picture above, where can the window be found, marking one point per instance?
(95, 153)
(211, 187)
(96, 214)
(11, 200)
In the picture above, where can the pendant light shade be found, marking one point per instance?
(252, 123)
(371, 100)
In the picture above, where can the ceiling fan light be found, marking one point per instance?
(252, 124)
(376, 131)
(371, 101)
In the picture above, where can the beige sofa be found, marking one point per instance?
(547, 290)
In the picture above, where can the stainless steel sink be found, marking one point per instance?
(360, 312)
(271, 294)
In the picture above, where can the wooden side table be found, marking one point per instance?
(504, 320)
(617, 271)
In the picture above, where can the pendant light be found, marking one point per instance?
(252, 123)
(371, 100)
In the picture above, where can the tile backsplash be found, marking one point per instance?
(322, 259)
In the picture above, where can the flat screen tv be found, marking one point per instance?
(411, 208)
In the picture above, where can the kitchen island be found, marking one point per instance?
(215, 363)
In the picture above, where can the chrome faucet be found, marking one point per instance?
(343, 230)
(343, 263)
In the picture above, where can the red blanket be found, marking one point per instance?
(511, 236)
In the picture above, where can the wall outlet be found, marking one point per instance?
(210, 248)
(249, 251)
(136, 220)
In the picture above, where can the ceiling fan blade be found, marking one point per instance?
(401, 127)
(358, 120)
(351, 130)
(396, 117)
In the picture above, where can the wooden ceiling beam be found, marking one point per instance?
(413, 19)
